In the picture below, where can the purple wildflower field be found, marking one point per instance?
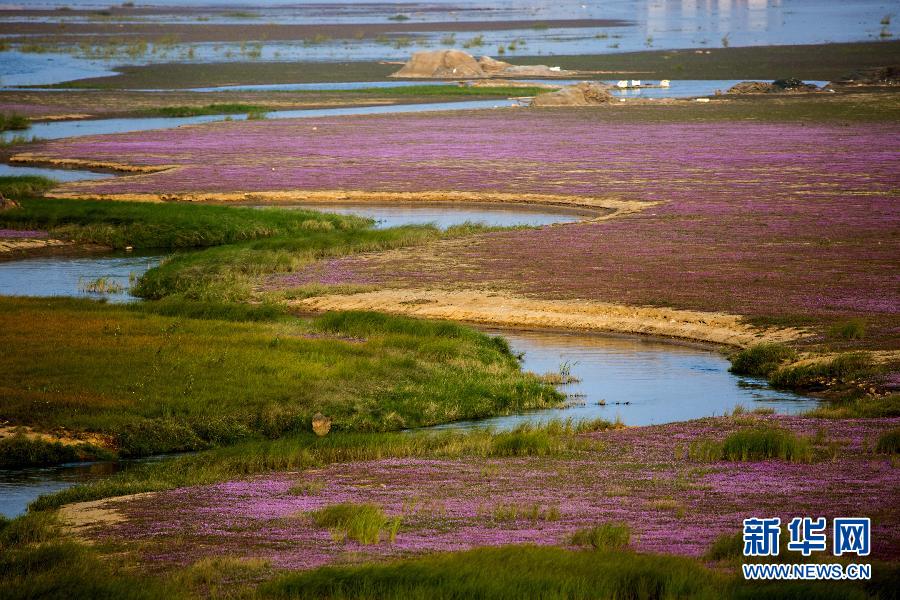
(754, 218)
(637, 475)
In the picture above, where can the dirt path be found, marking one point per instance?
(505, 310)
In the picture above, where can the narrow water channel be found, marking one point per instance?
(637, 380)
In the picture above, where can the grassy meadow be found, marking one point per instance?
(174, 377)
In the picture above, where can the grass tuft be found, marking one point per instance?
(756, 443)
(363, 523)
(607, 536)
(761, 360)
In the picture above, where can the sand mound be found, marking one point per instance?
(456, 64)
(440, 64)
(581, 94)
(779, 86)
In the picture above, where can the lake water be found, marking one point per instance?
(447, 215)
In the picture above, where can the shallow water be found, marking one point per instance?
(57, 174)
(19, 487)
(446, 215)
(651, 24)
(67, 129)
(661, 382)
(67, 275)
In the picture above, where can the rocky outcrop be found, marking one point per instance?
(779, 86)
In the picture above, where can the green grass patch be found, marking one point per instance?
(180, 376)
(14, 122)
(754, 443)
(364, 523)
(608, 536)
(167, 225)
(889, 442)
(761, 360)
(508, 572)
(209, 109)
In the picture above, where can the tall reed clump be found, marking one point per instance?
(364, 523)
(761, 360)
(754, 443)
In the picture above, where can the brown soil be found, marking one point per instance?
(456, 64)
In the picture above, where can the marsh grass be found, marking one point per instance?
(208, 109)
(305, 451)
(13, 122)
(761, 360)
(606, 536)
(169, 225)
(761, 442)
(859, 408)
(842, 369)
(889, 442)
(363, 523)
(100, 285)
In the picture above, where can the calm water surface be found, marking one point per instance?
(67, 275)
(660, 382)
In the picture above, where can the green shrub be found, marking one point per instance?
(859, 408)
(761, 360)
(608, 536)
